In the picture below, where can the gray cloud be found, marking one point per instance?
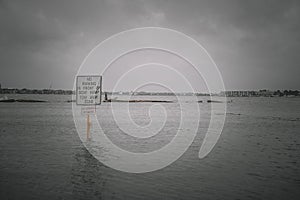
(254, 43)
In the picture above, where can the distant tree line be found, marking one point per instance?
(227, 93)
(34, 91)
(287, 93)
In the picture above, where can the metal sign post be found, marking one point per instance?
(88, 96)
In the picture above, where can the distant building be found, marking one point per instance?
(239, 93)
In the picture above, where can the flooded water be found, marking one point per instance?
(256, 157)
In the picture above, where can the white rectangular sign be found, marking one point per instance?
(88, 110)
(88, 90)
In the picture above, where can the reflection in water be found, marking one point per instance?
(87, 178)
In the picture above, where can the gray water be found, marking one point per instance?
(256, 157)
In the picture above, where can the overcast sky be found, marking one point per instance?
(256, 44)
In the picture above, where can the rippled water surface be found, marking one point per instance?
(256, 157)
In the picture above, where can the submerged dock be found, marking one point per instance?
(138, 101)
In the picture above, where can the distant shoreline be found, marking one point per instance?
(234, 93)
